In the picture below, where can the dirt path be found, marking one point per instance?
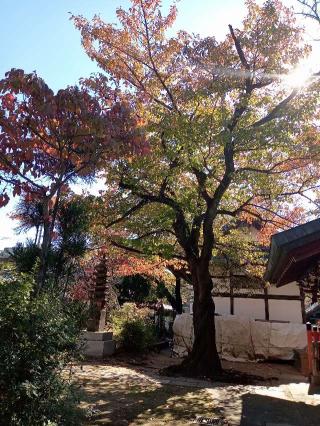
(136, 395)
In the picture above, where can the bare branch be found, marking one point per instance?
(312, 7)
(154, 68)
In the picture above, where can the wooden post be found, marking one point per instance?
(266, 304)
(309, 342)
(303, 307)
(231, 297)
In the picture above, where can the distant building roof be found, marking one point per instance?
(5, 253)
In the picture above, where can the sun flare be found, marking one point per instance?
(298, 77)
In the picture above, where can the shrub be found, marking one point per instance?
(39, 337)
(25, 256)
(133, 328)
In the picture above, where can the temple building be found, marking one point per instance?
(295, 259)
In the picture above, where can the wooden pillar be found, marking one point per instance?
(231, 297)
(266, 304)
(303, 307)
(309, 342)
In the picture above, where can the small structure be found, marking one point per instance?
(259, 321)
(238, 293)
(5, 255)
(295, 257)
(241, 295)
(313, 333)
(97, 319)
(98, 342)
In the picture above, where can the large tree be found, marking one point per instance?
(228, 139)
(49, 140)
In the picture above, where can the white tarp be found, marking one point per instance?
(245, 339)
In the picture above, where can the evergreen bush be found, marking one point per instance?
(133, 328)
(39, 336)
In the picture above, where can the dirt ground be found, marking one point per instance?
(129, 391)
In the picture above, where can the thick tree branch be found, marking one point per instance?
(235, 212)
(155, 232)
(276, 111)
(201, 179)
(239, 49)
(140, 252)
(127, 214)
(180, 225)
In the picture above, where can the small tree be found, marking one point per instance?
(70, 238)
(25, 256)
(49, 140)
(133, 328)
(29, 213)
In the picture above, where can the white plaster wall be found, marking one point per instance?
(279, 310)
(222, 305)
(290, 289)
(285, 310)
(249, 308)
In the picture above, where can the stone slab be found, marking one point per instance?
(99, 348)
(279, 424)
(97, 335)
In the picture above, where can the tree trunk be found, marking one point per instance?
(314, 294)
(46, 241)
(36, 237)
(60, 263)
(49, 218)
(203, 360)
(178, 298)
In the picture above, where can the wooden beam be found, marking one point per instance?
(258, 296)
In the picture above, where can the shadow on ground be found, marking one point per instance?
(264, 410)
(131, 401)
(123, 394)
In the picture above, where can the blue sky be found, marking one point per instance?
(38, 35)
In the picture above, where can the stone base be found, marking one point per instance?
(97, 335)
(98, 344)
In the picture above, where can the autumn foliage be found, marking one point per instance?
(49, 139)
(200, 142)
(228, 142)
